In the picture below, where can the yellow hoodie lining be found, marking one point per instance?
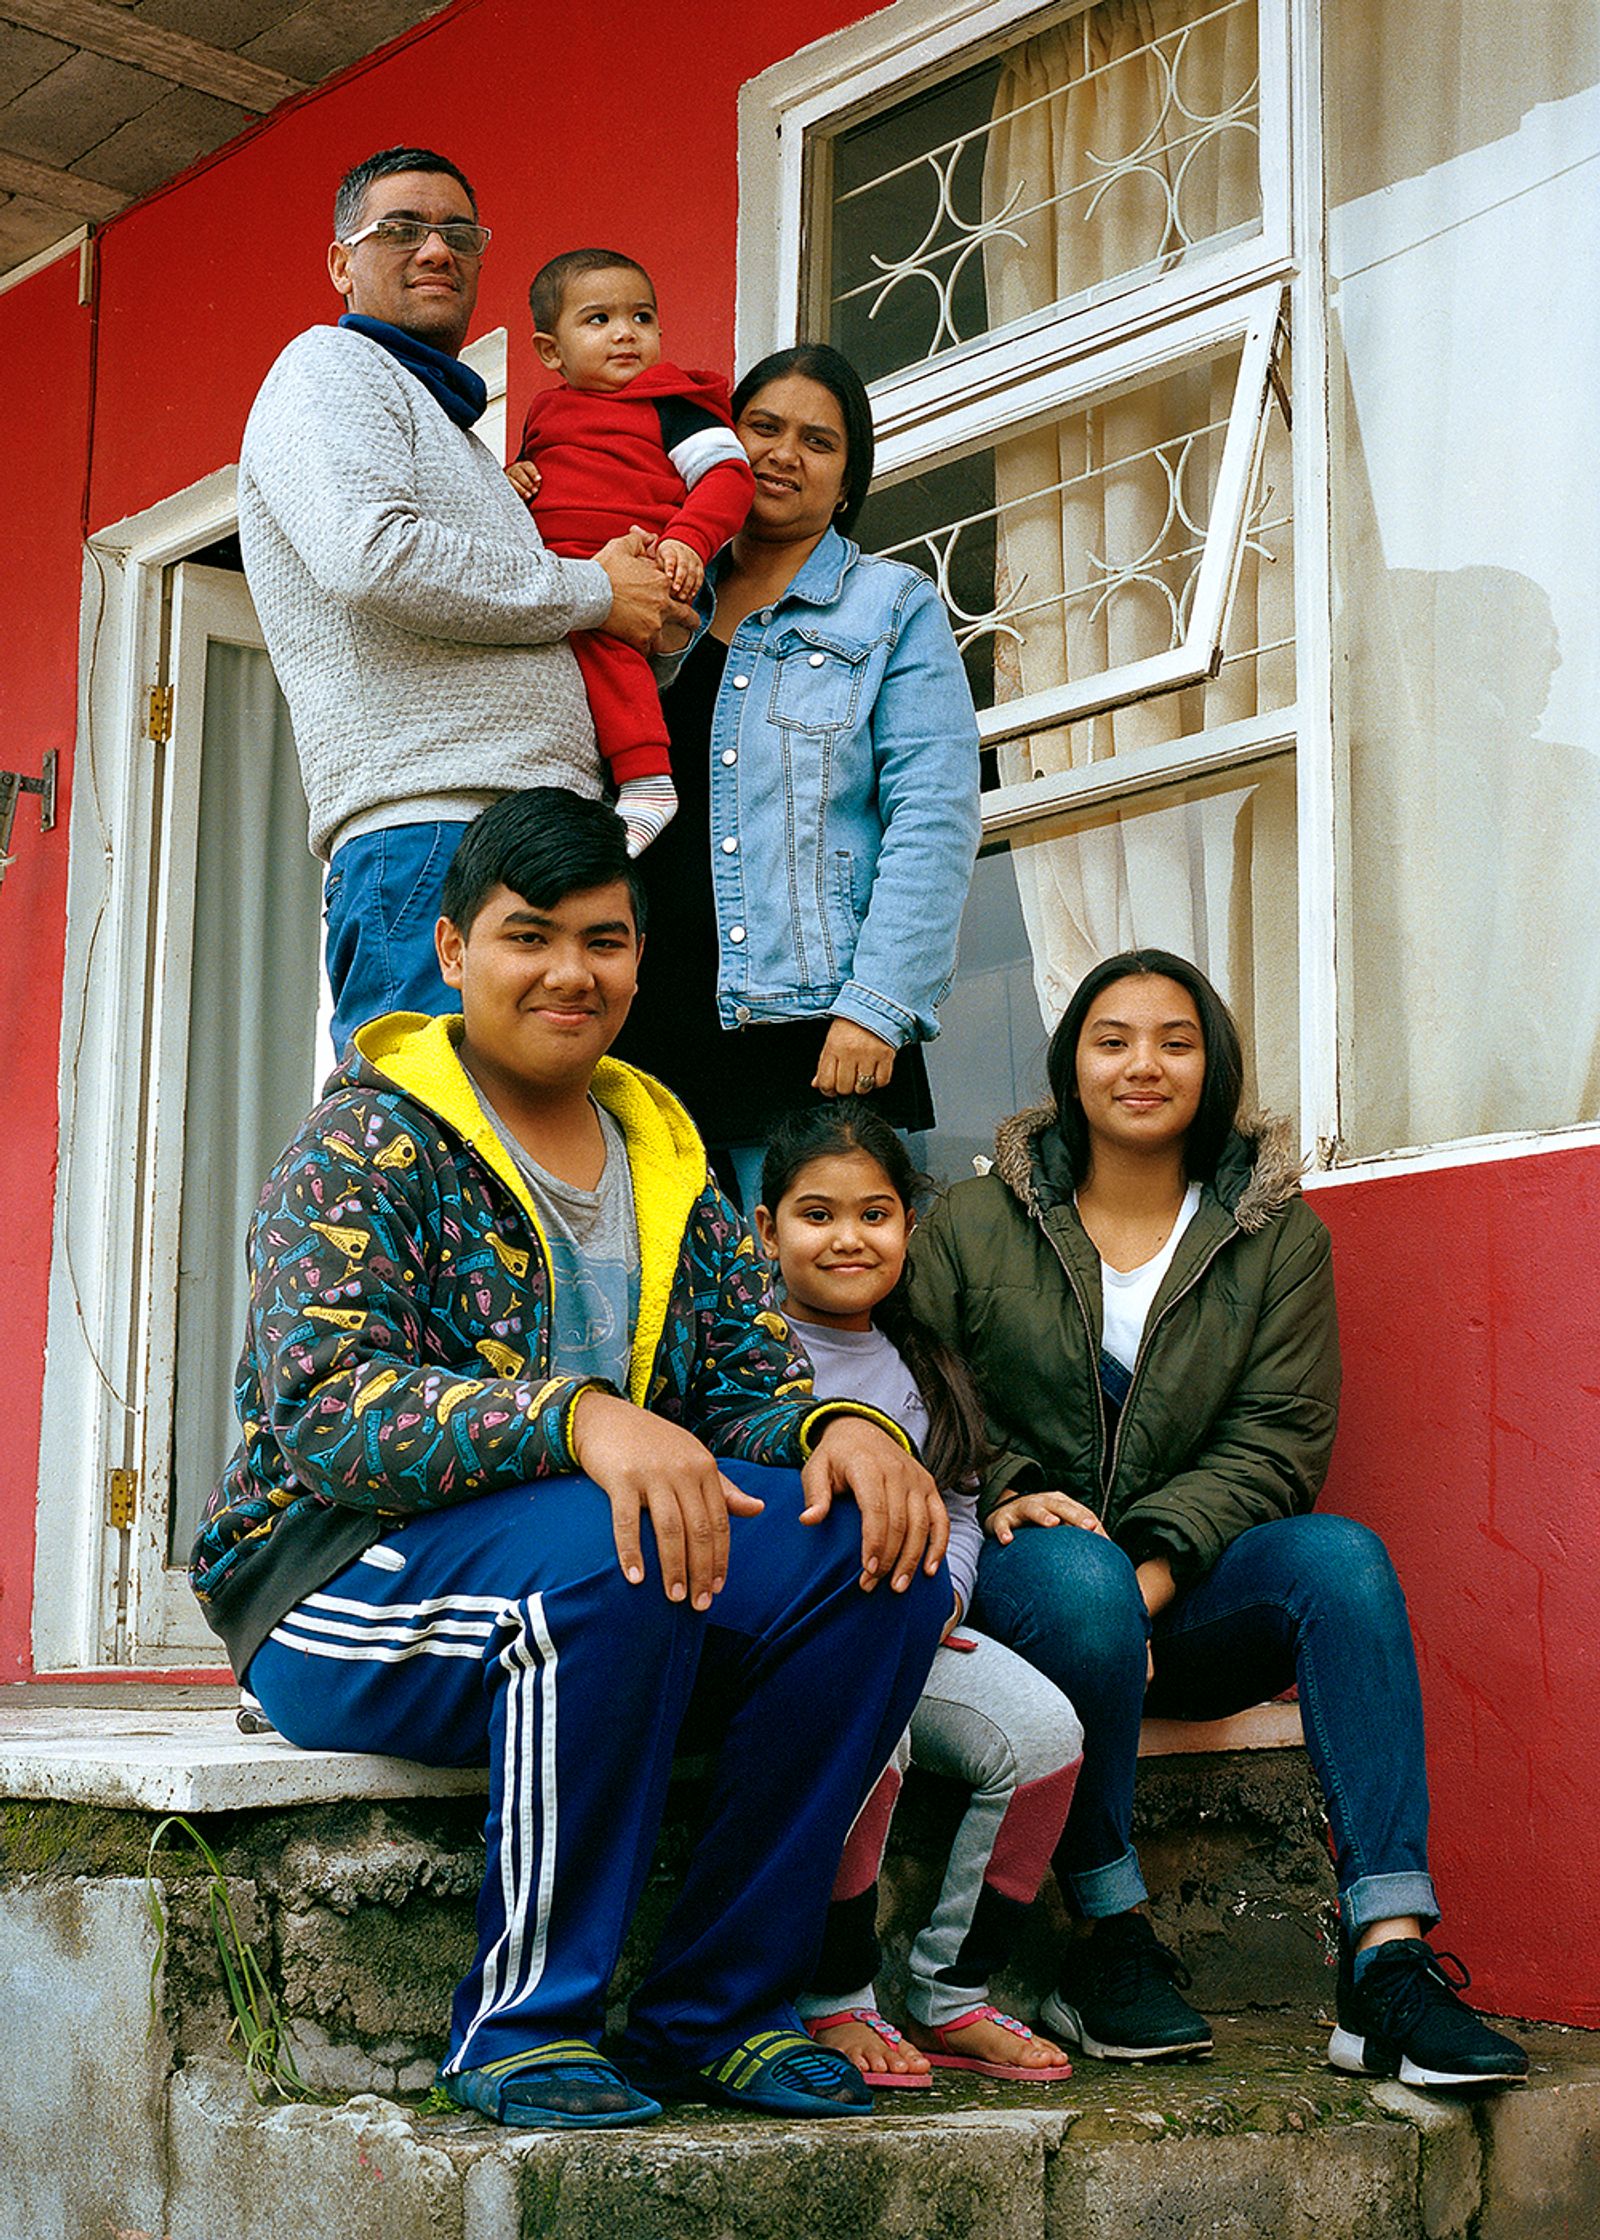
(665, 1155)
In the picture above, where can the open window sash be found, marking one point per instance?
(1250, 327)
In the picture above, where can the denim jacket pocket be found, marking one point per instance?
(817, 680)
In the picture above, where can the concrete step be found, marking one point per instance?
(1260, 2143)
(125, 2115)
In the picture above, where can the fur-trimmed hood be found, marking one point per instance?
(1257, 1175)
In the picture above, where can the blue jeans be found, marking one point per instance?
(1313, 1600)
(381, 904)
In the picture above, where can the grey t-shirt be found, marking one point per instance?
(593, 1236)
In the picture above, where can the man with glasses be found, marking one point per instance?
(415, 620)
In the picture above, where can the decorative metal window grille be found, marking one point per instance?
(1109, 147)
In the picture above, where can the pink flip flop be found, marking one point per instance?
(1009, 2072)
(881, 2080)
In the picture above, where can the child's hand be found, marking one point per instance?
(685, 568)
(524, 478)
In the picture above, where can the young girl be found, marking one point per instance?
(837, 1192)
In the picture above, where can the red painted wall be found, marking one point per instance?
(1469, 1297)
(571, 130)
(1469, 1302)
(44, 402)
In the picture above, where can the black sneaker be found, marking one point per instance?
(1118, 2000)
(1404, 2020)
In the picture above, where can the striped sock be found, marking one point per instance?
(646, 806)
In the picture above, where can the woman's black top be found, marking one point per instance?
(734, 1081)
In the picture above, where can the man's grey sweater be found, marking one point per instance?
(414, 618)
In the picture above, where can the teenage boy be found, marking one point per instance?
(415, 621)
(626, 438)
(499, 1315)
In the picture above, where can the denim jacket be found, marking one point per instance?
(844, 800)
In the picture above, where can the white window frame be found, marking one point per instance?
(1028, 371)
(97, 1589)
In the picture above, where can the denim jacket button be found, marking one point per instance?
(741, 1012)
(766, 614)
(739, 683)
(730, 846)
(816, 660)
(736, 934)
(730, 756)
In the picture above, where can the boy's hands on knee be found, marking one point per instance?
(642, 1462)
(686, 571)
(904, 1522)
(524, 477)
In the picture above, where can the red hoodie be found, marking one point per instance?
(660, 453)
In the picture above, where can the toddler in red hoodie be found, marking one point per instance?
(626, 440)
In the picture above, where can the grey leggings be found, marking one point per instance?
(990, 1721)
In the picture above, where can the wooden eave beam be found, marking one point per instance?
(99, 28)
(60, 190)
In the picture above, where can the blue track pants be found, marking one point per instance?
(503, 1629)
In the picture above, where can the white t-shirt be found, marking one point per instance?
(1126, 1295)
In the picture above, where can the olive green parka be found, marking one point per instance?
(1230, 1416)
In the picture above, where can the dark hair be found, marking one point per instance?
(820, 362)
(543, 844)
(548, 289)
(1224, 1076)
(347, 203)
(958, 1443)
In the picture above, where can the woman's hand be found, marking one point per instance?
(854, 1062)
(1039, 1508)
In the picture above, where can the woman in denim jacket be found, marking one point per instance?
(804, 905)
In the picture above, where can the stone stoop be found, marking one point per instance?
(1261, 2143)
(124, 2113)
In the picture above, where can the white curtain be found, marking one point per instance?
(251, 1051)
(1466, 482)
(1213, 880)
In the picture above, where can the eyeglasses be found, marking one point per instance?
(460, 235)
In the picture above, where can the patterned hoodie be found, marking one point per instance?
(396, 1352)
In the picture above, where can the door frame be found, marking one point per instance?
(92, 1579)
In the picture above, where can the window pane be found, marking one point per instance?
(1074, 550)
(1095, 155)
(1205, 870)
(1467, 485)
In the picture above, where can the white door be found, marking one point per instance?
(231, 1060)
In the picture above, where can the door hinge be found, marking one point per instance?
(159, 727)
(123, 1498)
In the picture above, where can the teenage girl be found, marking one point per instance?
(836, 1212)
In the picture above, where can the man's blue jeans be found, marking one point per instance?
(1312, 1600)
(381, 904)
